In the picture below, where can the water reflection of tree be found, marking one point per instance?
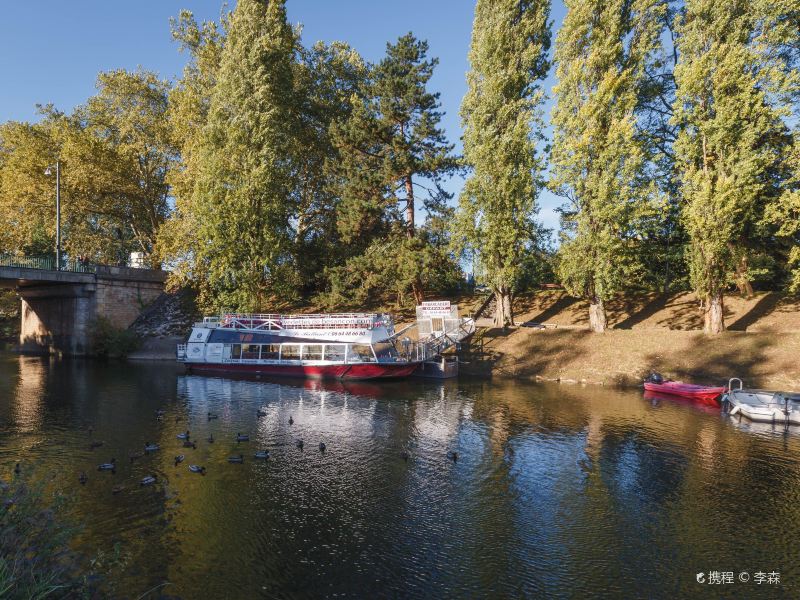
(664, 484)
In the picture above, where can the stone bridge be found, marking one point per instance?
(59, 307)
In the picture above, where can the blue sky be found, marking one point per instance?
(52, 51)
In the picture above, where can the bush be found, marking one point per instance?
(9, 316)
(110, 341)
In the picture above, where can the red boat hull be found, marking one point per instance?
(699, 393)
(351, 371)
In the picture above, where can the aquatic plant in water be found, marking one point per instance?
(35, 560)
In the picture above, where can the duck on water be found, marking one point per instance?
(109, 466)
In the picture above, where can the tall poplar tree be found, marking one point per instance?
(502, 118)
(598, 156)
(189, 102)
(242, 196)
(734, 85)
(784, 212)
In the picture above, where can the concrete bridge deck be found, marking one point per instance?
(60, 307)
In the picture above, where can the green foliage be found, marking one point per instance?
(189, 100)
(734, 86)
(255, 211)
(388, 145)
(303, 171)
(242, 195)
(326, 77)
(387, 267)
(536, 268)
(36, 561)
(9, 316)
(503, 124)
(107, 340)
(115, 154)
(784, 212)
(599, 155)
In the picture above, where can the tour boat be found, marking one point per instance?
(337, 346)
(699, 393)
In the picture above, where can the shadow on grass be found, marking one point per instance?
(762, 308)
(655, 305)
(687, 315)
(715, 359)
(541, 352)
(554, 309)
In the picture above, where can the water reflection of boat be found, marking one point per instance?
(703, 394)
(224, 386)
(769, 429)
(655, 398)
(352, 387)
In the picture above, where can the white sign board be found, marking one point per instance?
(438, 308)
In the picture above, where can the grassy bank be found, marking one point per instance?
(648, 332)
(625, 357)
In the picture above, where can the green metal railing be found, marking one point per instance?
(46, 263)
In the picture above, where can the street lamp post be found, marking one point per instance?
(49, 171)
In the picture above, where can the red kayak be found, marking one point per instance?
(700, 393)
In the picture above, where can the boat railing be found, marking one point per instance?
(433, 346)
(271, 321)
(730, 383)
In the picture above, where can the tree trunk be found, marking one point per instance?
(714, 314)
(666, 270)
(742, 278)
(416, 286)
(598, 322)
(409, 207)
(508, 309)
(503, 313)
(419, 294)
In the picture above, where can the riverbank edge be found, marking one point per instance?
(157, 349)
(623, 358)
(617, 358)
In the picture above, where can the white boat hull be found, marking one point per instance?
(763, 406)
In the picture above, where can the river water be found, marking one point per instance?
(557, 491)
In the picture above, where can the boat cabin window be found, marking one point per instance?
(270, 352)
(312, 352)
(290, 352)
(236, 351)
(334, 352)
(361, 353)
(385, 351)
(250, 351)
